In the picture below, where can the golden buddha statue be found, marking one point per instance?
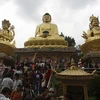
(47, 29)
(46, 35)
(6, 37)
(92, 37)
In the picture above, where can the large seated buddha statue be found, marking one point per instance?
(6, 37)
(92, 37)
(46, 35)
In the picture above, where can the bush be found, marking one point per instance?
(94, 87)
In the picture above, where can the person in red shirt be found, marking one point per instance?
(18, 94)
(47, 75)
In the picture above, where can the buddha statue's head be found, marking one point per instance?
(46, 17)
(5, 24)
(94, 21)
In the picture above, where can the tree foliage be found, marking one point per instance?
(78, 55)
(72, 43)
(62, 34)
(70, 40)
(94, 87)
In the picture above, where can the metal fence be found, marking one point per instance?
(90, 70)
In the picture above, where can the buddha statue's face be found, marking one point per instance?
(95, 22)
(46, 18)
(5, 26)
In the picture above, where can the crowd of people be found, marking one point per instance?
(28, 81)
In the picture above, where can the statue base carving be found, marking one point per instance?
(40, 43)
(6, 48)
(92, 45)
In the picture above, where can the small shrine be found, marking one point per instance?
(91, 47)
(74, 82)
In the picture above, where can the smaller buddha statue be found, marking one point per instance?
(94, 29)
(7, 32)
(92, 37)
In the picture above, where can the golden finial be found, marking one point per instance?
(73, 67)
(72, 62)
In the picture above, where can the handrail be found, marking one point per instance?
(90, 70)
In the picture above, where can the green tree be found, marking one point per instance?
(70, 40)
(62, 34)
(78, 55)
(94, 87)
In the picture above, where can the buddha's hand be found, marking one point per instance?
(84, 35)
(44, 35)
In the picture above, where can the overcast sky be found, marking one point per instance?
(71, 16)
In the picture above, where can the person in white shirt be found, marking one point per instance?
(7, 81)
(5, 94)
(17, 81)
